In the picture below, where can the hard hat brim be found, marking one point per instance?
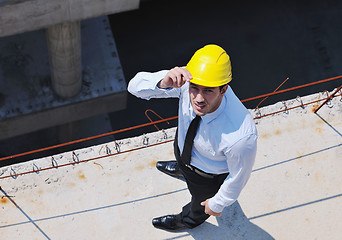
(207, 83)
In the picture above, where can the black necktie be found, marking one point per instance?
(189, 140)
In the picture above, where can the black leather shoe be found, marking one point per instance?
(170, 168)
(168, 222)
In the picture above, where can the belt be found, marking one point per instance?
(200, 172)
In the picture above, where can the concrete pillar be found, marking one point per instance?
(64, 43)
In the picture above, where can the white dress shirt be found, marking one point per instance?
(226, 140)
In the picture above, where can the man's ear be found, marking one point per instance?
(224, 89)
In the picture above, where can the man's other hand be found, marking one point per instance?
(208, 211)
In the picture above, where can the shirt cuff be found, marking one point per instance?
(214, 206)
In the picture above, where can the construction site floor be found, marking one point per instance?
(112, 191)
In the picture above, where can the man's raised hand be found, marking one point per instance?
(175, 78)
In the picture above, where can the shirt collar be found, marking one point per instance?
(211, 116)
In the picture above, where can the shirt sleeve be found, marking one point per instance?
(240, 159)
(144, 85)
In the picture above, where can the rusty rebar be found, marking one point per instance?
(150, 110)
(273, 91)
(292, 88)
(159, 121)
(328, 98)
(15, 175)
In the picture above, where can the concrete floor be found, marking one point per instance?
(294, 191)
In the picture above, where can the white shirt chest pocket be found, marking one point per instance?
(207, 150)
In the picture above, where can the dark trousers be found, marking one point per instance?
(201, 188)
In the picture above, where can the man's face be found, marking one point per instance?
(205, 99)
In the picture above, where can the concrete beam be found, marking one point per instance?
(56, 116)
(27, 15)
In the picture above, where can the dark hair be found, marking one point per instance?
(222, 86)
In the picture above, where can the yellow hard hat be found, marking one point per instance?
(210, 66)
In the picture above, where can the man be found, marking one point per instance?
(217, 160)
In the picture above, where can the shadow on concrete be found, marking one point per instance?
(297, 206)
(10, 198)
(326, 122)
(233, 224)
